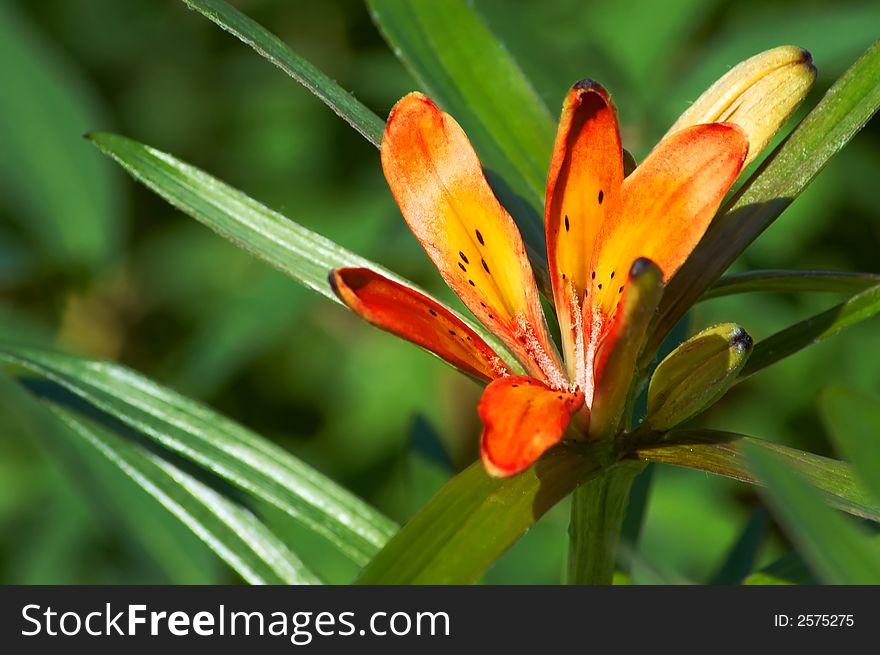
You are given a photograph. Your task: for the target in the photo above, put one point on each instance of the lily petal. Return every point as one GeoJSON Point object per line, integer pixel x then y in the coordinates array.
{"type": "Point", "coordinates": [416, 318]}
{"type": "Point", "coordinates": [586, 173]}
{"type": "Point", "coordinates": [522, 418]}
{"type": "Point", "coordinates": [438, 183]}
{"type": "Point", "coordinates": [666, 205]}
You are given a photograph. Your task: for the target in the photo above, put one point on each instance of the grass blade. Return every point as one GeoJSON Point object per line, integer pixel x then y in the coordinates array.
{"type": "Point", "coordinates": [789, 281]}
{"type": "Point", "coordinates": [229, 450]}
{"type": "Point", "coordinates": [279, 53]}
{"type": "Point", "coordinates": [835, 548]}
{"type": "Point", "coordinates": [721, 453]}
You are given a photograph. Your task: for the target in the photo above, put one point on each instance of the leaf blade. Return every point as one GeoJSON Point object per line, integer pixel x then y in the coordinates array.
{"type": "Point", "coordinates": [272, 48]}
{"type": "Point", "coordinates": [301, 254]}
{"type": "Point", "coordinates": [720, 453]}
{"type": "Point", "coordinates": [477, 516]}
{"type": "Point", "coordinates": [454, 55]}
{"type": "Point", "coordinates": [234, 453]}
{"type": "Point", "coordinates": [838, 552]}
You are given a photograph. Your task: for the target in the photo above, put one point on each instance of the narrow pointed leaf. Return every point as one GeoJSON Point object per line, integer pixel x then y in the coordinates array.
{"type": "Point", "coordinates": [279, 53]}
{"type": "Point", "coordinates": [812, 330]}
{"type": "Point", "coordinates": [791, 281]}
{"type": "Point", "coordinates": [305, 256]}
{"type": "Point", "coordinates": [721, 453]}
{"type": "Point", "coordinates": [845, 109]}
{"type": "Point", "coordinates": [837, 550]}
{"type": "Point", "coordinates": [236, 454]}
{"type": "Point", "coordinates": [461, 65]}
{"type": "Point", "coordinates": [474, 519]}
{"type": "Point", "coordinates": [226, 527]}
{"type": "Point", "coordinates": [230, 530]}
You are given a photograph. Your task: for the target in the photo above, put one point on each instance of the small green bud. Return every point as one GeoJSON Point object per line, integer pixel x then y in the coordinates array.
{"type": "Point", "coordinates": [696, 374]}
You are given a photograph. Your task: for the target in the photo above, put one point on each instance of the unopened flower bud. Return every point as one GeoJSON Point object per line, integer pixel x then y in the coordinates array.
{"type": "Point", "coordinates": [696, 374]}
{"type": "Point", "coordinates": [758, 94]}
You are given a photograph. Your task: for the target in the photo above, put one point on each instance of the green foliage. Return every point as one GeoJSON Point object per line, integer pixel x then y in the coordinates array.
{"type": "Point", "coordinates": [228, 450]}
{"type": "Point", "coordinates": [460, 63]}
{"type": "Point", "coordinates": [838, 551]}
{"type": "Point", "coordinates": [181, 489]}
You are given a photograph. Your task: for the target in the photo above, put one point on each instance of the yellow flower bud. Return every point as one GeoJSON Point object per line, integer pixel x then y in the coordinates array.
{"type": "Point", "coordinates": [758, 94]}
{"type": "Point", "coordinates": [696, 374]}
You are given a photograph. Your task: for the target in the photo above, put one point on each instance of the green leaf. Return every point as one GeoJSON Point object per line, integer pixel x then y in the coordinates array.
{"type": "Point", "coordinates": [787, 570]}
{"type": "Point", "coordinates": [791, 281]}
{"type": "Point", "coordinates": [236, 454]}
{"type": "Point", "coordinates": [836, 549]}
{"type": "Point", "coordinates": [853, 419]}
{"type": "Point", "coordinates": [62, 194]}
{"type": "Point", "coordinates": [292, 249]}
{"type": "Point", "coordinates": [812, 330]}
{"type": "Point", "coordinates": [720, 453]}
{"type": "Point", "coordinates": [742, 555]}
{"type": "Point", "coordinates": [844, 110]}
{"type": "Point", "coordinates": [276, 51]}
{"type": "Point", "coordinates": [474, 519]}
{"type": "Point", "coordinates": [229, 529]}
{"type": "Point", "coordinates": [462, 66]}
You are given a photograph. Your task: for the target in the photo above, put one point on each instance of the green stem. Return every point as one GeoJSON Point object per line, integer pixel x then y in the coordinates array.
{"type": "Point", "coordinates": [598, 508]}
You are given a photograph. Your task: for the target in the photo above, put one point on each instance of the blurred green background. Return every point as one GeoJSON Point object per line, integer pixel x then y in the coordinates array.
{"type": "Point", "coordinates": [93, 264]}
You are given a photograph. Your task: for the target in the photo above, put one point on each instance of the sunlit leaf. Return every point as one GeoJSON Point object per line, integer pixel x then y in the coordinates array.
{"type": "Point", "coordinates": [305, 256]}
{"type": "Point", "coordinates": [226, 527]}
{"type": "Point", "coordinates": [721, 453]}
{"type": "Point", "coordinates": [474, 519]}
{"type": "Point", "coordinates": [279, 53]}
{"type": "Point", "coordinates": [231, 451]}
{"type": "Point", "coordinates": [836, 549]}
{"type": "Point", "coordinates": [229, 529]}
{"type": "Point", "coordinates": [462, 66]}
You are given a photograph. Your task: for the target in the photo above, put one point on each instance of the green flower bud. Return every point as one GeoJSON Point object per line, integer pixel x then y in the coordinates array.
{"type": "Point", "coordinates": [696, 374]}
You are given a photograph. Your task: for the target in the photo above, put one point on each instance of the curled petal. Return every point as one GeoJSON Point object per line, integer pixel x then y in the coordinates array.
{"type": "Point", "coordinates": [522, 417]}
{"type": "Point", "coordinates": [416, 318]}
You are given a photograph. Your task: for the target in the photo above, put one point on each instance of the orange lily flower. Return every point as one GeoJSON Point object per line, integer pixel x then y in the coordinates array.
{"type": "Point", "coordinates": [611, 243]}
